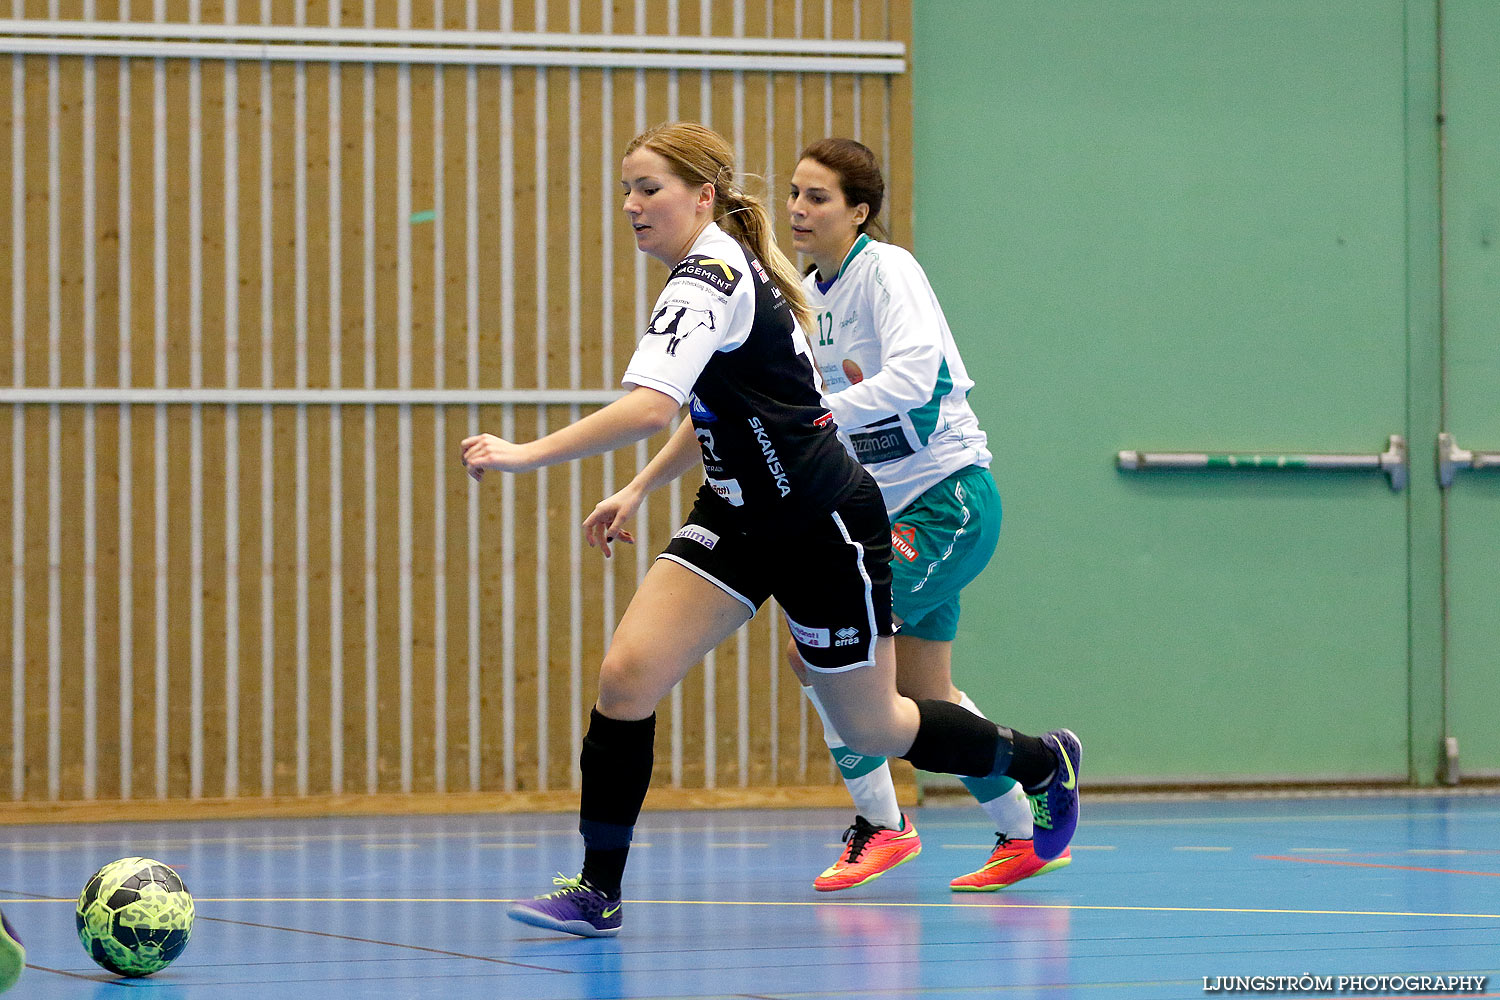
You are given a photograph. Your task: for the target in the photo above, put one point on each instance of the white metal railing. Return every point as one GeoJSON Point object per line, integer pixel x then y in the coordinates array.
{"type": "Point", "coordinates": [285, 43]}
{"type": "Point", "coordinates": [337, 34]}
{"type": "Point", "coordinates": [145, 396]}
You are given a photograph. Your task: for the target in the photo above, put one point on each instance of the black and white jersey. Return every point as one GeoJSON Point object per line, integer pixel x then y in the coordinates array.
{"type": "Point", "coordinates": [722, 339]}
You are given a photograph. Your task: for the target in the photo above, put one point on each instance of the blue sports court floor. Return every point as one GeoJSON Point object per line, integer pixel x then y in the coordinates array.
{"type": "Point", "coordinates": [1160, 895]}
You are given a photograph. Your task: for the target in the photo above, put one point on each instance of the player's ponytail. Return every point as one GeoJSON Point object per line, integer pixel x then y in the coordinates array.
{"type": "Point", "coordinates": [699, 155]}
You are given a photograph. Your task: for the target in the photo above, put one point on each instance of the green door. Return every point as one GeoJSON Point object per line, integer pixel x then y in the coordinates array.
{"type": "Point", "coordinates": [1471, 363]}
{"type": "Point", "coordinates": [1177, 226]}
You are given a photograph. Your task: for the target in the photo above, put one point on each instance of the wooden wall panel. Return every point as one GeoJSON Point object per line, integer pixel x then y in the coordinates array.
{"type": "Point", "coordinates": [247, 635]}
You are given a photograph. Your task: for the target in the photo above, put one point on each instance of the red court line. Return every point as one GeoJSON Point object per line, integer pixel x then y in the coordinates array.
{"type": "Point", "coordinates": [1366, 864]}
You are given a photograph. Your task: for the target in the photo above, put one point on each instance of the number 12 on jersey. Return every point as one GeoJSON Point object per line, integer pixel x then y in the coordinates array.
{"type": "Point", "coordinates": [825, 329]}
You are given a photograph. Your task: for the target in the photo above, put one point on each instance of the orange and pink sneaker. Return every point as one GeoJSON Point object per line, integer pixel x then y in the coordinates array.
{"type": "Point", "coordinates": [872, 851]}
{"type": "Point", "coordinates": [1009, 863]}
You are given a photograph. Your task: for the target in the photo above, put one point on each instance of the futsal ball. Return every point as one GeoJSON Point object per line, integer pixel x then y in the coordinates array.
{"type": "Point", "coordinates": [134, 916]}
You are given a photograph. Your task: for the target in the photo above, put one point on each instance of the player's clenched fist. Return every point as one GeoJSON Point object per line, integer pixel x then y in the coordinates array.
{"type": "Point", "coordinates": [485, 451]}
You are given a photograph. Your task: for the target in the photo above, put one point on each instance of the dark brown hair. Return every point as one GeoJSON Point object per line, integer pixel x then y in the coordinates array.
{"type": "Point", "coordinates": [858, 171]}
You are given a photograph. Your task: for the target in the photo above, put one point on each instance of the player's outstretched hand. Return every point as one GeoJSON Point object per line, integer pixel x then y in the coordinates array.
{"type": "Point", "coordinates": [485, 451]}
{"type": "Point", "coordinates": [606, 524]}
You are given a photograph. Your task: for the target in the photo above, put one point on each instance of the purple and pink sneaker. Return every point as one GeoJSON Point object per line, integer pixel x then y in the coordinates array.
{"type": "Point", "coordinates": [1054, 809]}
{"type": "Point", "coordinates": [576, 908]}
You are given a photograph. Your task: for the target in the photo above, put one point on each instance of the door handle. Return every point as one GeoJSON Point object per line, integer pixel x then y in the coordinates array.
{"type": "Point", "coordinates": [1392, 461]}
{"type": "Point", "coordinates": [1451, 458]}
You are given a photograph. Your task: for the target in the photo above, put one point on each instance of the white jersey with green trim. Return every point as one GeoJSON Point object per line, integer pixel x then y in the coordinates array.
{"type": "Point", "coordinates": [892, 373]}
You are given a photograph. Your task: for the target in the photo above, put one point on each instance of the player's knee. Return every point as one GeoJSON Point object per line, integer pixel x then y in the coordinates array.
{"type": "Point", "coordinates": [624, 691]}
{"type": "Point", "coordinates": [867, 733]}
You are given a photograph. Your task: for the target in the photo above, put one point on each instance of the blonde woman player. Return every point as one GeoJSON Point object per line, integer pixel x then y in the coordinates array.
{"type": "Point", "coordinates": [784, 512]}
{"type": "Point", "coordinates": [898, 389]}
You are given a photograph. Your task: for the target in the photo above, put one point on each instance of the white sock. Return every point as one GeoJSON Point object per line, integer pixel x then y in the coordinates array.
{"type": "Point", "coordinates": [870, 784]}
{"type": "Point", "coordinates": [1010, 810]}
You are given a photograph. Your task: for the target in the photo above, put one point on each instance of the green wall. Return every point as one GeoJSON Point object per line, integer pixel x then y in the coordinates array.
{"type": "Point", "coordinates": [1168, 225]}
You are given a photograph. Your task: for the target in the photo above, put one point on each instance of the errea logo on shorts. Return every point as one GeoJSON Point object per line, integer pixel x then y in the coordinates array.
{"type": "Point", "coordinates": [846, 636]}
{"type": "Point", "coordinates": [814, 638]}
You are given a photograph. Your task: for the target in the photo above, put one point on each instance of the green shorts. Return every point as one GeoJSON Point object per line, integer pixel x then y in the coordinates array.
{"type": "Point", "coordinates": [939, 542]}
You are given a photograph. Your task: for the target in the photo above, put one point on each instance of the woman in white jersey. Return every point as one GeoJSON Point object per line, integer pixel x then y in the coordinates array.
{"type": "Point", "coordinates": [898, 390]}
{"type": "Point", "coordinates": [723, 340]}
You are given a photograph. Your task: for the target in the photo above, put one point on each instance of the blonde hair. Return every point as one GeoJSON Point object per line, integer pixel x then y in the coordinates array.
{"type": "Point", "coordinates": [699, 155]}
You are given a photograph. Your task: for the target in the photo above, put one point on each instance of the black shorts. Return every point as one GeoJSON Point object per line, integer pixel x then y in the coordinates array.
{"type": "Point", "coordinates": [830, 572]}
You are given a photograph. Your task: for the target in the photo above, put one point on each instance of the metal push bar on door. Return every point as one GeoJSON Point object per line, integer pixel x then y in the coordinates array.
{"type": "Point", "coordinates": [1392, 461]}
{"type": "Point", "coordinates": [1451, 458]}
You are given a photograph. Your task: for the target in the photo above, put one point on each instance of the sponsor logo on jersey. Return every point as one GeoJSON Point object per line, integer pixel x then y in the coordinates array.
{"type": "Point", "coordinates": [847, 320]}
{"type": "Point", "coordinates": [773, 463]}
{"type": "Point", "coordinates": [728, 490]}
{"type": "Point", "coordinates": [852, 372]}
{"type": "Point", "coordinates": [814, 638]}
{"type": "Point", "coordinates": [904, 541]}
{"type": "Point", "coordinates": [713, 272]}
{"type": "Point", "coordinates": [880, 446]}
{"type": "Point", "coordinates": [695, 533]}
{"type": "Point", "coordinates": [765, 279]}
{"type": "Point", "coordinates": [824, 420]}
{"type": "Point", "coordinates": [675, 322]}
{"type": "Point", "coordinates": [711, 459]}
{"type": "Point", "coordinates": [700, 413]}
{"type": "Point", "coordinates": [846, 636]}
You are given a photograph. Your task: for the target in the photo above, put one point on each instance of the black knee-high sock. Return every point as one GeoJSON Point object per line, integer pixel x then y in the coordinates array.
{"type": "Point", "coordinates": [952, 740]}
{"type": "Point", "coordinates": [616, 771]}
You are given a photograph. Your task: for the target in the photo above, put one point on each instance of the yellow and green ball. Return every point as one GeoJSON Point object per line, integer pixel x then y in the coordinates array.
{"type": "Point", "coordinates": [134, 916]}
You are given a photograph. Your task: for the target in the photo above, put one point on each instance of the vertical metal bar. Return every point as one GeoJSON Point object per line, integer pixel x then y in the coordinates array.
{"type": "Point", "coordinates": [508, 417]}
{"type": "Point", "coordinates": [855, 103]}
{"type": "Point", "coordinates": [705, 78]}
{"type": "Point", "coordinates": [607, 306]}
{"type": "Point", "coordinates": [335, 423]}
{"type": "Point", "coordinates": [575, 381]}
{"type": "Point", "coordinates": [440, 453]}
{"type": "Point", "coordinates": [742, 635]}
{"type": "Point", "coordinates": [828, 77]}
{"type": "Point", "coordinates": [642, 317]}
{"type": "Point", "coordinates": [471, 365]}
{"type": "Point", "coordinates": [126, 510]}
{"type": "Point", "coordinates": [403, 379]}
{"type": "Point", "coordinates": [540, 323]}
{"type": "Point", "coordinates": [267, 434]}
{"type": "Point", "coordinates": [773, 679]}
{"type": "Point", "coordinates": [231, 458]}
{"type": "Point", "coordinates": [195, 448]}
{"type": "Point", "coordinates": [674, 516]}
{"type": "Point", "coordinates": [54, 431]}
{"type": "Point", "coordinates": [674, 493]}
{"type": "Point", "coordinates": [372, 647]}
{"type": "Point", "coordinates": [161, 498]}
{"type": "Point", "coordinates": [711, 660]}
{"type": "Point", "coordinates": [18, 421]}
{"type": "Point", "coordinates": [300, 487]}
{"type": "Point", "coordinates": [90, 436]}
{"type": "Point", "coordinates": [800, 143]}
